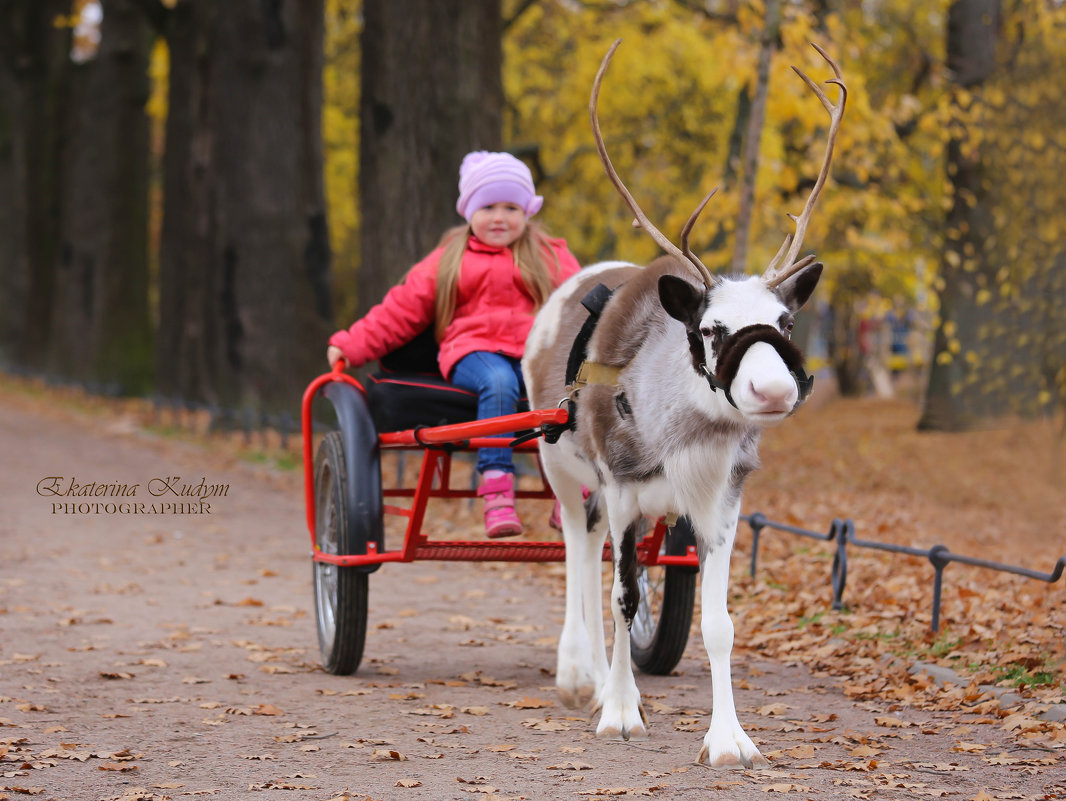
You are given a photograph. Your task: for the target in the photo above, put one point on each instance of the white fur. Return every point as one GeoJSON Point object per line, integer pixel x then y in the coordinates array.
{"type": "Point", "coordinates": [671, 404]}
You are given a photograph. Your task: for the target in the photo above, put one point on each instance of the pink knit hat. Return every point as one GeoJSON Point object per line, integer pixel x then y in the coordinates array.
{"type": "Point", "coordinates": [486, 178]}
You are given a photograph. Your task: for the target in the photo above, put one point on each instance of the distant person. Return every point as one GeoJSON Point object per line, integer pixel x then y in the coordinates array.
{"type": "Point", "coordinates": [480, 288]}
{"type": "Point", "coordinates": [872, 347]}
{"type": "Point", "coordinates": [900, 322]}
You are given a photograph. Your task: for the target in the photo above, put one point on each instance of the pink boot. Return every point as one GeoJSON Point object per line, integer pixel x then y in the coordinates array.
{"type": "Point", "coordinates": [555, 519]}
{"type": "Point", "coordinates": [501, 520]}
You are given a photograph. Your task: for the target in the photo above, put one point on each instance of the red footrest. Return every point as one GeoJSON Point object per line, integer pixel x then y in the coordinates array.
{"type": "Point", "coordinates": [479, 551]}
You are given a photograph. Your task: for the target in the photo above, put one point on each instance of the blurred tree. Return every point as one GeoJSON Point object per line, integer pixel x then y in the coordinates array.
{"type": "Point", "coordinates": [245, 259]}
{"type": "Point", "coordinates": [35, 44]}
{"type": "Point", "coordinates": [1000, 342]}
{"type": "Point", "coordinates": [101, 327]}
{"type": "Point", "coordinates": [755, 114]}
{"type": "Point", "coordinates": [431, 92]}
{"type": "Point", "coordinates": [340, 141]}
{"type": "Point", "coordinates": [972, 32]}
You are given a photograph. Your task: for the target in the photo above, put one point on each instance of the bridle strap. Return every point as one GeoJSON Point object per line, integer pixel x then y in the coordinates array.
{"type": "Point", "coordinates": [737, 345]}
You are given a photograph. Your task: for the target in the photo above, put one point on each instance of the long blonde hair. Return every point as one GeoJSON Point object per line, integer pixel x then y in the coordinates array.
{"type": "Point", "coordinates": [531, 251]}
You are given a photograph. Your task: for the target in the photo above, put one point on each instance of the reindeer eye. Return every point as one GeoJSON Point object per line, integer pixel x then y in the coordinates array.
{"type": "Point", "coordinates": [706, 331]}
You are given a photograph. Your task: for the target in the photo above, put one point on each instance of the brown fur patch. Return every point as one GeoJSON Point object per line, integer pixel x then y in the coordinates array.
{"type": "Point", "coordinates": [547, 371]}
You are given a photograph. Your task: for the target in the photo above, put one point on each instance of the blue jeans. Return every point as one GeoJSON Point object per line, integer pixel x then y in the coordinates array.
{"type": "Point", "coordinates": [498, 382]}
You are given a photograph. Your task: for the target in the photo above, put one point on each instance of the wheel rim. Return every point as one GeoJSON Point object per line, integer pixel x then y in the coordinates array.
{"type": "Point", "coordinates": [651, 585]}
{"type": "Point", "coordinates": [325, 573]}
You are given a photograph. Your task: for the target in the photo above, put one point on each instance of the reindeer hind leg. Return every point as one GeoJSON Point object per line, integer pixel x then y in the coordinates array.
{"type": "Point", "coordinates": [592, 588]}
{"type": "Point", "coordinates": [580, 670]}
{"type": "Point", "coordinates": [621, 712]}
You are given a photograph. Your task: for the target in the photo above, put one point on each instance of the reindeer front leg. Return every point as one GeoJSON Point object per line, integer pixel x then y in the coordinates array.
{"type": "Point", "coordinates": [622, 714]}
{"type": "Point", "coordinates": [725, 745]}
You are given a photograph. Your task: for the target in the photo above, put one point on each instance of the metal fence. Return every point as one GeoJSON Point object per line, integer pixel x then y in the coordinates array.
{"type": "Point", "coordinates": [842, 532]}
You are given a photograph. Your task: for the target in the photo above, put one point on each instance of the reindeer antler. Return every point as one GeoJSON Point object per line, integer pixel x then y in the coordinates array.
{"type": "Point", "coordinates": [641, 220]}
{"type": "Point", "coordinates": [773, 276]}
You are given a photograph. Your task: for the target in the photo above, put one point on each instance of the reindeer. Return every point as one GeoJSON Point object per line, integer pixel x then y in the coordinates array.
{"type": "Point", "coordinates": [682, 372]}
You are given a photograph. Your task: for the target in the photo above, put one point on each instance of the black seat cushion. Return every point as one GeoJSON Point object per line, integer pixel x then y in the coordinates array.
{"type": "Point", "coordinates": [409, 391]}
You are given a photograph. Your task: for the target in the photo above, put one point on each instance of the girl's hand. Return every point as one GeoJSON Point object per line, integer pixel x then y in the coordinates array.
{"type": "Point", "coordinates": [333, 353]}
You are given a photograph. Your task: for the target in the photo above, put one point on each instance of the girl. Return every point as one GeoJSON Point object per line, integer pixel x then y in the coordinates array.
{"type": "Point", "coordinates": [480, 287]}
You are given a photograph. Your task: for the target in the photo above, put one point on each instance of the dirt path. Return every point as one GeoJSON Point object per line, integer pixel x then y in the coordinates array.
{"type": "Point", "coordinates": [150, 656]}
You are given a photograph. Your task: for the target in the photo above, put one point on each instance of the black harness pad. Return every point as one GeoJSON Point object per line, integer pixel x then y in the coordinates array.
{"type": "Point", "coordinates": [594, 302]}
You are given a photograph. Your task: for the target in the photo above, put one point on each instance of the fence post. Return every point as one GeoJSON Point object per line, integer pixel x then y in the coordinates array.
{"type": "Point", "coordinates": [756, 520]}
{"type": "Point", "coordinates": [841, 531]}
{"type": "Point", "coordinates": [939, 556]}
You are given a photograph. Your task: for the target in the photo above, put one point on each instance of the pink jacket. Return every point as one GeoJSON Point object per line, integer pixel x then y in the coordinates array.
{"type": "Point", "coordinates": [493, 310]}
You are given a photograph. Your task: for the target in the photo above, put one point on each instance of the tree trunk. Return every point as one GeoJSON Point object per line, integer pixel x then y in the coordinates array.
{"type": "Point", "coordinates": [771, 30]}
{"type": "Point", "coordinates": [244, 267]}
{"type": "Point", "coordinates": [953, 401]}
{"type": "Point", "coordinates": [14, 278]}
{"type": "Point", "coordinates": [102, 330]}
{"type": "Point", "coordinates": [36, 60]}
{"type": "Point", "coordinates": [431, 92]}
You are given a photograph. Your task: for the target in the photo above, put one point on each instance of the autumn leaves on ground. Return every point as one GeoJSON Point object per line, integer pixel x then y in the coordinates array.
{"type": "Point", "coordinates": [167, 657]}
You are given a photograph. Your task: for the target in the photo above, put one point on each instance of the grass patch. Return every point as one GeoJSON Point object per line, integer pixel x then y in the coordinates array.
{"type": "Point", "coordinates": [1021, 676]}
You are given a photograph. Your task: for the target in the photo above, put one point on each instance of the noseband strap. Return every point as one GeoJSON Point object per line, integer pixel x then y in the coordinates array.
{"type": "Point", "coordinates": [735, 348]}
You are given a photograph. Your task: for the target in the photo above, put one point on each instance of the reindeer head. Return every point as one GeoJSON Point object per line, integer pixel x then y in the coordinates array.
{"type": "Point", "coordinates": [738, 329]}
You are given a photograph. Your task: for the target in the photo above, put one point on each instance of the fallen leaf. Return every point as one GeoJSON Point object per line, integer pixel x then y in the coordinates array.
{"type": "Point", "coordinates": [619, 791]}
{"type": "Point", "coordinates": [408, 783]}
{"type": "Point", "coordinates": [772, 709]}
{"type": "Point", "coordinates": [891, 722]}
{"type": "Point", "coordinates": [546, 725]}
{"type": "Point", "coordinates": [865, 751]}
{"type": "Point", "coordinates": [527, 702]}
{"type": "Point", "coordinates": [571, 766]}
{"type": "Point", "coordinates": [969, 748]}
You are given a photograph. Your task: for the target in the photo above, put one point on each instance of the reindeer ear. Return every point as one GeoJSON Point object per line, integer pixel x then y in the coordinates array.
{"type": "Point", "coordinates": [681, 300]}
{"type": "Point", "coordinates": [796, 290]}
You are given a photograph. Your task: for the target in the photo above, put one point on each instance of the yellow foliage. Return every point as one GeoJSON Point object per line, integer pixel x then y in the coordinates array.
{"type": "Point", "coordinates": [340, 138]}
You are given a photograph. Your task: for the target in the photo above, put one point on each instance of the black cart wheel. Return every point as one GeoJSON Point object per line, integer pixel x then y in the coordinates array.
{"type": "Point", "coordinates": [660, 629]}
{"type": "Point", "coordinates": [340, 592]}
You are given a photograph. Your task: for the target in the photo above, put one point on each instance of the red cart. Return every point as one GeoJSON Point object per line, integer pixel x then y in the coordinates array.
{"type": "Point", "coordinates": [347, 505]}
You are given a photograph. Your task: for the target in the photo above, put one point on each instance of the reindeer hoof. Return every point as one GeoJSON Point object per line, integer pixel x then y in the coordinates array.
{"type": "Point", "coordinates": [635, 733]}
{"type": "Point", "coordinates": [608, 733]}
{"type": "Point", "coordinates": [627, 733]}
{"type": "Point", "coordinates": [578, 697]}
{"type": "Point", "coordinates": [730, 760]}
